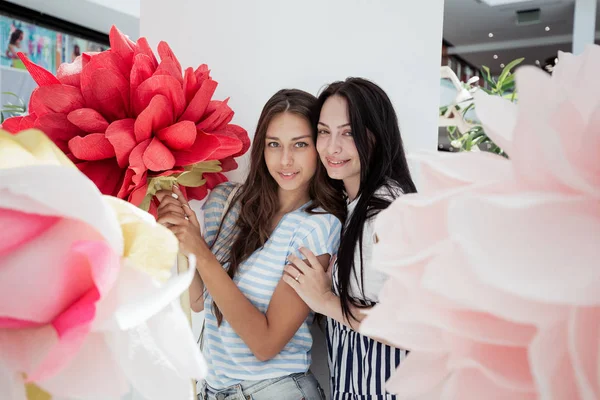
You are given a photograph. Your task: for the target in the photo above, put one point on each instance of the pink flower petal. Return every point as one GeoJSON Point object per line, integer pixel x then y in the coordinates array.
{"type": "Point", "coordinates": [24, 228]}
{"type": "Point", "coordinates": [179, 136]}
{"type": "Point", "coordinates": [156, 116]}
{"type": "Point", "coordinates": [121, 136]}
{"type": "Point", "coordinates": [158, 157]}
{"type": "Point", "coordinates": [55, 99]}
{"type": "Point", "coordinates": [92, 147]}
{"type": "Point", "coordinates": [88, 120]}
{"type": "Point", "coordinates": [584, 348]}
{"type": "Point", "coordinates": [411, 379]}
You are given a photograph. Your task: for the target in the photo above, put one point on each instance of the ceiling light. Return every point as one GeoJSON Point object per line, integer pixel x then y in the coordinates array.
{"type": "Point", "coordinates": [547, 29]}
{"type": "Point", "coordinates": [501, 65]}
{"type": "Point", "coordinates": [494, 3]}
{"type": "Point", "coordinates": [537, 62]}
{"type": "Point", "coordinates": [490, 34]}
{"type": "Point", "coordinates": [495, 56]}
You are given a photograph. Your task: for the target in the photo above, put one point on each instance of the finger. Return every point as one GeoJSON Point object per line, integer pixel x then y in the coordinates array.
{"type": "Point", "coordinates": [171, 208]}
{"type": "Point", "coordinates": [291, 282]}
{"type": "Point", "coordinates": [168, 201]}
{"type": "Point", "coordinates": [299, 264]}
{"type": "Point", "coordinates": [292, 271]}
{"type": "Point", "coordinates": [172, 218]}
{"type": "Point", "coordinates": [162, 194]}
{"type": "Point", "coordinates": [185, 205]}
{"type": "Point", "coordinates": [312, 259]}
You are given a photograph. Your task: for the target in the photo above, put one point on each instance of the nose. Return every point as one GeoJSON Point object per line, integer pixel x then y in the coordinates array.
{"type": "Point", "coordinates": [287, 158]}
{"type": "Point", "coordinates": [333, 145]}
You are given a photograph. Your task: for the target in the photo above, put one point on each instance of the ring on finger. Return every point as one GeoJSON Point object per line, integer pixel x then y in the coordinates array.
{"type": "Point", "coordinates": [297, 278]}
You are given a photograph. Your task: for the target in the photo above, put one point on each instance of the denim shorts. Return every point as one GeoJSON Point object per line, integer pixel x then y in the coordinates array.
{"type": "Point", "coordinates": [300, 386]}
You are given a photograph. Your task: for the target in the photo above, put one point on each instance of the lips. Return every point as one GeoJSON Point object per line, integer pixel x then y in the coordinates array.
{"type": "Point", "coordinates": [336, 163]}
{"type": "Point", "coordinates": [288, 175]}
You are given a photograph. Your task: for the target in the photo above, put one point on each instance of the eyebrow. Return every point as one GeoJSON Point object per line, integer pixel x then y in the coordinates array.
{"type": "Point", "coordinates": [339, 127]}
{"type": "Point", "coordinates": [293, 139]}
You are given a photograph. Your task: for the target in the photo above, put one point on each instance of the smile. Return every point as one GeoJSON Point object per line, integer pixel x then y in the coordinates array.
{"type": "Point", "coordinates": [288, 175]}
{"type": "Point", "coordinates": [336, 163]}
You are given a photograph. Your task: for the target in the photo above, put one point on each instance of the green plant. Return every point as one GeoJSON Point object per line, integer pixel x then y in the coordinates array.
{"type": "Point", "coordinates": [474, 137]}
{"type": "Point", "coordinates": [12, 110]}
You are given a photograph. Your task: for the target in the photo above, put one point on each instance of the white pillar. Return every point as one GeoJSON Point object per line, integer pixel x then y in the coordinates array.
{"type": "Point", "coordinates": [584, 24]}
{"type": "Point", "coordinates": [255, 48]}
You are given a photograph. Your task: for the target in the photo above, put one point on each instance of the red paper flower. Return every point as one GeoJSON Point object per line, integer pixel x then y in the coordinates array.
{"type": "Point", "coordinates": [123, 117]}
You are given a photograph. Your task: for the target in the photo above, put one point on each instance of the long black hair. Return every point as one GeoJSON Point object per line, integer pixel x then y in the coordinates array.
{"type": "Point", "coordinates": [383, 169]}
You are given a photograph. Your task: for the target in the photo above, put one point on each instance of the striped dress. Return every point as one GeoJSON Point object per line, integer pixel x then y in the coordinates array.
{"type": "Point", "coordinates": [229, 359]}
{"type": "Point", "coordinates": [360, 366]}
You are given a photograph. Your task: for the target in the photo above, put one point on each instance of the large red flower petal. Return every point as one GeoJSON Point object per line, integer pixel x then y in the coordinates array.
{"type": "Point", "coordinates": [110, 93]}
{"type": "Point", "coordinates": [123, 49]}
{"type": "Point", "coordinates": [165, 53]}
{"type": "Point", "coordinates": [136, 160]}
{"type": "Point", "coordinates": [203, 149]}
{"type": "Point", "coordinates": [197, 107]}
{"type": "Point", "coordinates": [88, 120]}
{"type": "Point", "coordinates": [190, 84]}
{"type": "Point", "coordinates": [55, 99]}
{"type": "Point", "coordinates": [143, 68]}
{"type": "Point", "coordinates": [241, 134]}
{"type": "Point", "coordinates": [121, 136]}
{"type": "Point", "coordinates": [179, 136]}
{"type": "Point", "coordinates": [196, 193]}
{"type": "Point", "coordinates": [159, 84]}
{"type": "Point", "coordinates": [229, 145]}
{"type": "Point", "coordinates": [202, 73]}
{"type": "Point", "coordinates": [156, 116]}
{"type": "Point", "coordinates": [70, 73]}
{"type": "Point", "coordinates": [92, 147]}
{"type": "Point", "coordinates": [228, 164]}
{"type": "Point", "coordinates": [58, 128]}
{"type": "Point", "coordinates": [138, 193]}
{"type": "Point", "coordinates": [127, 186]}
{"type": "Point", "coordinates": [169, 67]}
{"type": "Point", "coordinates": [106, 174]}
{"type": "Point", "coordinates": [219, 115]}
{"type": "Point", "coordinates": [158, 157]}
{"type": "Point", "coordinates": [39, 74]}
{"type": "Point", "coordinates": [12, 124]}
{"type": "Point", "coordinates": [144, 48]}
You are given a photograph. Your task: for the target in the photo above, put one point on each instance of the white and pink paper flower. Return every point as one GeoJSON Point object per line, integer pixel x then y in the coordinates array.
{"type": "Point", "coordinates": [88, 309]}
{"type": "Point", "coordinates": [495, 265]}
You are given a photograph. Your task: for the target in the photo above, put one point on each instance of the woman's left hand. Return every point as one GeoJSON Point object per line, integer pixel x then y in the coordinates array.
{"type": "Point", "coordinates": [312, 281]}
{"type": "Point", "coordinates": [175, 213]}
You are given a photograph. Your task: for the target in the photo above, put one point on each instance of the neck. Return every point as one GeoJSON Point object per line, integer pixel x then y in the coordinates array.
{"type": "Point", "coordinates": [292, 200]}
{"type": "Point", "coordinates": [352, 184]}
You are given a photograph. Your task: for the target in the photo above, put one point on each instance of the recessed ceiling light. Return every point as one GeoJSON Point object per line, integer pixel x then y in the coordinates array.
{"type": "Point", "coordinates": [490, 34]}
{"type": "Point", "coordinates": [537, 62]}
{"type": "Point", "coordinates": [495, 56]}
{"type": "Point", "coordinates": [547, 29]}
{"type": "Point", "coordinates": [501, 65]}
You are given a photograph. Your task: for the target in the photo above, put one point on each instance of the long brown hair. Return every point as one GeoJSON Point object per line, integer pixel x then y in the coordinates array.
{"type": "Point", "coordinates": [259, 194]}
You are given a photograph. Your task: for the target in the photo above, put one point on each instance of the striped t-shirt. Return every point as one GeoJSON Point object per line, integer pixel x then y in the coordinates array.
{"type": "Point", "coordinates": [229, 359]}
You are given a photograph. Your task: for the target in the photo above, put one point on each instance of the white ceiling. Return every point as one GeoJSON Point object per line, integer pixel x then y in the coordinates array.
{"type": "Point", "coordinates": [468, 22]}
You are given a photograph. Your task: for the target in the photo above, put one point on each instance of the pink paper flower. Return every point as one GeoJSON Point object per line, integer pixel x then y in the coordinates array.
{"type": "Point", "coordinates": [494, 266]}
{"type": "Point", "coordinates": [85, 299]}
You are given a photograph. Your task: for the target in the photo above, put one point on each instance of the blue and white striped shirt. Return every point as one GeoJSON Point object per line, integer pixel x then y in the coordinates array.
{"type": "Point", "coordinates": [229, 359]}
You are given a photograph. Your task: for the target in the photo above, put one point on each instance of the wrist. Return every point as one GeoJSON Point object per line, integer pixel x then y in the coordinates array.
{"type": "Point", "coordinates": [330, 300]}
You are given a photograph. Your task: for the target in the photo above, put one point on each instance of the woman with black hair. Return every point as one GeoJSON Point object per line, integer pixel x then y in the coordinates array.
{"type": "Point", "coordinates": [360, 145]}
{"type": "Point", "coordinates": [14, 44]}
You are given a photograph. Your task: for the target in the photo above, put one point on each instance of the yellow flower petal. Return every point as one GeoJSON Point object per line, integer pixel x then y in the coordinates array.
{"type": "Point", "coordinates": [30, 147]}
{"type": "Point", "coordinates": [34, 392]}
{"type": "Point", "coordinates": [148, 246]}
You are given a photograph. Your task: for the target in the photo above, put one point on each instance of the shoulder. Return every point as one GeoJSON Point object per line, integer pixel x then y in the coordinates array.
{"type": "Point", "coordinates": [321, 220]}
{"type": "Point", "coordinates": [218, 196]}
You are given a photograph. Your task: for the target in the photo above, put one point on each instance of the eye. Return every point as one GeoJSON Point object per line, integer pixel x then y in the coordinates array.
{"type": "Point", "coordinates": [301, 144]}
{"type": "Point", "coordinates": [349, 133]}
{"type": "Point", "coordinates": [272, 144]}
{"type": "Point", "coordinates": [322, 132]}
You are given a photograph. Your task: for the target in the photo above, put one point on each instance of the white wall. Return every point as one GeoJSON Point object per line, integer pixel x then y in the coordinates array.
{"type": "Point", "coordinates": [98, 15]}
{"type": "Point", "coordinates": [255, 48]}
